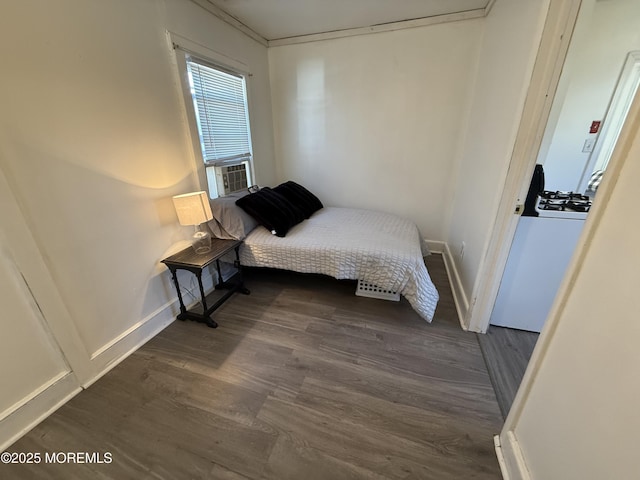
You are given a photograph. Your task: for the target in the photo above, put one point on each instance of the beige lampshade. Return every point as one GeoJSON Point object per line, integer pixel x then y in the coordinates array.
{"type": "Point", "coordinates": [193, 208]}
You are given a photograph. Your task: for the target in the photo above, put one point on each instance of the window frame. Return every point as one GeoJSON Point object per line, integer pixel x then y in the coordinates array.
{"type": "Point", "coordinates": [185, 49]}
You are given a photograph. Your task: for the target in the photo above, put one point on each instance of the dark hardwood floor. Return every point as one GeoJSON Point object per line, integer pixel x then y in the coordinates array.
{"type": "Point", "coordinates": [506, 353]}
{"type": "Point", "coordinates": [302, 380]}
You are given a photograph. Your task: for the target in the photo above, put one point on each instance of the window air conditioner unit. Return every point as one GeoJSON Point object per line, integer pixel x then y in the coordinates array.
{"type": "Point", "coordinates": [232, 178]}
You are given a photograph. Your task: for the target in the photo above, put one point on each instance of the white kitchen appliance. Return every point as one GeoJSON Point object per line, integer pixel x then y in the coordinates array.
{"type": "Point", "coordinates": [540, 253]}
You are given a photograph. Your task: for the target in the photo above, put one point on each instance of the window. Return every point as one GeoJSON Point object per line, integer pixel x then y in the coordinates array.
{"type": "Point", "coordinates": [221, 113]}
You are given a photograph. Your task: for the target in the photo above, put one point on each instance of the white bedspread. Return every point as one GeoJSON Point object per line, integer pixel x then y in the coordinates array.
{"type": "Point", "coordinates": [346, 243]}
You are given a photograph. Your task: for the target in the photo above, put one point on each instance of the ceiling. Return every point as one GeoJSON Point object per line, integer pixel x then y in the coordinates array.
{"type": "Point", "coordinates": [279, 19]}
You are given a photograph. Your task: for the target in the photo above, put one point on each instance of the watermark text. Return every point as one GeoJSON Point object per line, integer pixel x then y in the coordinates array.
{"type": "Point", "coordinates": [56, 457]}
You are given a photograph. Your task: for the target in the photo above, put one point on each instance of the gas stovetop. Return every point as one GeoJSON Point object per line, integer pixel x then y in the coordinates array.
{"type": "Point", "coordinates": [564, 201]}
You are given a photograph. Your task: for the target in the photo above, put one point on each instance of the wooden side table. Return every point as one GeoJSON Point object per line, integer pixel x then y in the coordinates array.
{"type": "Point", "coordinates": [188, 259]}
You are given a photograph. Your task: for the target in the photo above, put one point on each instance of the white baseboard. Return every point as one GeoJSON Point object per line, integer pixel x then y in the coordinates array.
{"type": "Point", "coordinates": [510, 457]}
{"type": "Point", "coordinates": [459, 297]}
{"type": "Point", "coordinates": [37, 408]}
{"type": "Point", "coordinates": [119, 348]}
{"type": "Point", "coordinates": [136, 336]}
{"type": "Point", "coordinates": [32, 412]}
{"type": "Point", "coordinates": [435, 246]}
{"type": "Point", "coordinates": [40, 405]}
{"type": "Point", "coordinates": [501, 462]}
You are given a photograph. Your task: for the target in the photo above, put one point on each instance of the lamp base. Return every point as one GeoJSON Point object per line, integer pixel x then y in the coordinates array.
{"type": "Point", "coordinates": [201, 241]}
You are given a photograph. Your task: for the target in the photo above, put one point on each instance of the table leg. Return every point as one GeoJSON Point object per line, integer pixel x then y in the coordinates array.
{"type": "Point", "coordinates": [220, 279]}
{"type": "Point", "coordinates": [206, 318]}
{"type": "Point", "coordinates": [242, 289]}
{"type": "Point", "coordinates": [183, 309]}
{"type": "Point", "coordinates": [204, 300]}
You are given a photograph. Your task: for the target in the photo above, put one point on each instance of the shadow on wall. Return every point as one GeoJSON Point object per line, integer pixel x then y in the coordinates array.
{"type": "Point", "coordinates": [101, 236]}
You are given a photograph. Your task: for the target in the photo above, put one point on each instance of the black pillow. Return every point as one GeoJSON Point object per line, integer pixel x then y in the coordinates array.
{"type": "Point", "coordinates": [271, 210]}
{"type": "Point", "coordinates": [299, 197]}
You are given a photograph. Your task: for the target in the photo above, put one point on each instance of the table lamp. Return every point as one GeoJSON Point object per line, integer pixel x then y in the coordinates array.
{"type": "Point", "coordinates": [194, 209]}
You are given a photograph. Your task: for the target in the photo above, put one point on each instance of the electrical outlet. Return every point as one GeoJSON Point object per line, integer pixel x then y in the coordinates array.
{"type": "Point", "coordinates": [461, 252]}
{"type": "Point", "coordinates": [588, 145]}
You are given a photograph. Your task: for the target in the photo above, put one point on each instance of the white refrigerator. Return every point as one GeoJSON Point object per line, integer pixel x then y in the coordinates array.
{"type": "Point", "coordinates": [538, 259]}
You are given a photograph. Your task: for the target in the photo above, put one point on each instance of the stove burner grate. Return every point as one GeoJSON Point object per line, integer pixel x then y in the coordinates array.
{"type": "Point", "coordinates": [564, 201]}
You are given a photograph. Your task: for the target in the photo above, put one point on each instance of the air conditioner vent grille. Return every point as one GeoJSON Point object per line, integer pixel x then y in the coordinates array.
{"type": "Point", "coordinates": [234, 178]}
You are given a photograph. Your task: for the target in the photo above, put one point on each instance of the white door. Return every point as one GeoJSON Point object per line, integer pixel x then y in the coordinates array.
{"type": "Point", "coordinates": [35, 376]}
{"type": "Point", "coordinates": [30, 359]}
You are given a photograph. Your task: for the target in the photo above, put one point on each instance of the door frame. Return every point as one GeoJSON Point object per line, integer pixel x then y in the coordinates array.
{"type": "Point", "coordinates": [554, 45]}
{"type": "Point", "coordinates": [614, 119]}
{"type": "Point", "coordinates": [508, 449]}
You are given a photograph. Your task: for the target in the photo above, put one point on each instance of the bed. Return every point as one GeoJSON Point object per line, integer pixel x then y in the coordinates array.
{"type": "Point", "coordinates": [345, 243]}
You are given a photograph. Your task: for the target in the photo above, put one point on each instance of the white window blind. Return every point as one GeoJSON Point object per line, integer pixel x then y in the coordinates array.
{"type": "Point", "coordinates": [220, 104]}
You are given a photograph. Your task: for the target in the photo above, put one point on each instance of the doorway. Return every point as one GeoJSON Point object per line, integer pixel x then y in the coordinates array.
{"type": "Point", "coordinates": [586, 112]}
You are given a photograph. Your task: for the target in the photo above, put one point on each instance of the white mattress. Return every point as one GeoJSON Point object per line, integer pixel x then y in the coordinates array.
{"type": "Point", "coordinates": [345, 243]}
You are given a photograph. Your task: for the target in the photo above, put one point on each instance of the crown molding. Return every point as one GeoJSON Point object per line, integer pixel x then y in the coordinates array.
{"type": "Point", "coordinates": [231, 20]}
{"type": "Point", "coordinates": [384, 27]}
{"type": "Point", "coordinates": [349, 32]}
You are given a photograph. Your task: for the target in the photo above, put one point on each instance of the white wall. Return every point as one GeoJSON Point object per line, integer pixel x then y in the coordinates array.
{"type": "Point", "coordinates": [36, 329]}
{"type": "Point", "coordinates": [576, 416]}
{"type": "Point", "coordinates": [28, 345]}
{"type": "Point", "coordinates": [595, 63]}
{"type": "Point", "coordinates": [373, 121]}
{"type": "Point", "coordinates": [94, 142]}
{"type": "Point", "coordinates": [512, 35]}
